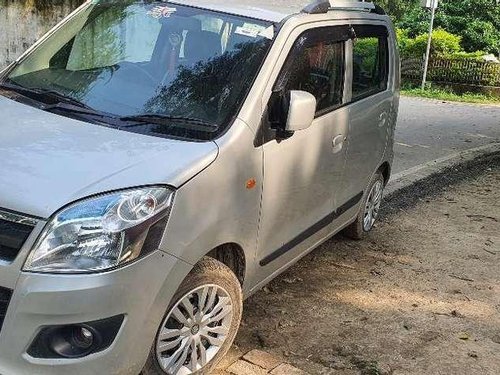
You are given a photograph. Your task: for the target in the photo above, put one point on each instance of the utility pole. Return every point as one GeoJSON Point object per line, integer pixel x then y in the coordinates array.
{"type": "Point", "coordinates": [433, 6]}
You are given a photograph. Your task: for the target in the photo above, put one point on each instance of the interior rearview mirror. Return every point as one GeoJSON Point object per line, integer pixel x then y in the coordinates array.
{"type": "Point", "coordinates": [301, 111]}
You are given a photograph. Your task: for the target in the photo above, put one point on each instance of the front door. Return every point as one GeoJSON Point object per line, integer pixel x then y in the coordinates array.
{"type": "Point", "coordinates": [302, 172]}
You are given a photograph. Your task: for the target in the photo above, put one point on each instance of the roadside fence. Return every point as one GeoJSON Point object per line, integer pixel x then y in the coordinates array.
{"type": "Point", "coordinates": [453, 71]}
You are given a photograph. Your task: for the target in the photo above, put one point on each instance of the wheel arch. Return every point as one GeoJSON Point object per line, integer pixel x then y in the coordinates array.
{"type": "Point", "coordinates": [232, 255]}
{"type": "Point", "coordinates": [385, 169]}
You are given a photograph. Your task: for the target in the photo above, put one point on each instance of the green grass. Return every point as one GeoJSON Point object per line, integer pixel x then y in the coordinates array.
{"type": "Point", "coordinates": [440, 94]}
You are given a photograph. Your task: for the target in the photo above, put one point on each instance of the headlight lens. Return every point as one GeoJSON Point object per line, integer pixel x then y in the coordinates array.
{"type": "Point", "coordinates": [100, 233]}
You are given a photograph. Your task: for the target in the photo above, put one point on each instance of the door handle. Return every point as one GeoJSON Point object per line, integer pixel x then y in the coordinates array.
{"type": "Point", "coordinates": [338, 143]}
{"type": "Point", "coordinates": [384, 116]}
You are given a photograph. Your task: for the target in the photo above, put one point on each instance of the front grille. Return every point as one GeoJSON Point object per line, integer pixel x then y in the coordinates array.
{"type": "Point", "coordinates": [14, 231]}
{"type": "Point", "coordinates": [5, 295]}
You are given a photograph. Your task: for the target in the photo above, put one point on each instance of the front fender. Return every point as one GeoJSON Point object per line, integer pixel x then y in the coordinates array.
{"type": "Point", "coordinates": [221, 204]}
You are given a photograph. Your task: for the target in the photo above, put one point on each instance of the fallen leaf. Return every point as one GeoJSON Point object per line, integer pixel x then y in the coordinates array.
{"type": "Point", "coordinates": [473, 355]}
{"type": "Point", "coordinates": [464, 336]}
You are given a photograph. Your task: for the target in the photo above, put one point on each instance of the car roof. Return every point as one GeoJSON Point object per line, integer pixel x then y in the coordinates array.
{"type": "Point", "coordinates": [268, 10]}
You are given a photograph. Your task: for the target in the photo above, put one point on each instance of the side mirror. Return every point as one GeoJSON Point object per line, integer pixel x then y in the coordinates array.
{"type": "Point", "coordinates": [301, 112]}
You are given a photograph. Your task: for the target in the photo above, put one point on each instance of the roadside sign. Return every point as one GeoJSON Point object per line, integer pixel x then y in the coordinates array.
{"type": "Point", "coordinates": [430, 4]}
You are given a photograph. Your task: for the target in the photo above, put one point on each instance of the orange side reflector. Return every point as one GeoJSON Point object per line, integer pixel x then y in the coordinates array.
{"type": "Point", "coordinates": [251, 183]}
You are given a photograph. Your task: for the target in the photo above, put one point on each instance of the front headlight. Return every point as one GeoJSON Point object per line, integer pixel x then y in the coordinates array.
{"type": "Point", "coordinates": [100, 233]}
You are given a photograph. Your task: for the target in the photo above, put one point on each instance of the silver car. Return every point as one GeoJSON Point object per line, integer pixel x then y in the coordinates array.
{"type": "Point", "coordinates": [161, 161]}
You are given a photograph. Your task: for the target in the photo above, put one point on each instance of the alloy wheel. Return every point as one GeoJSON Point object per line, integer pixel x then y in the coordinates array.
{"type": "Point", "coordinates": [194, 330]}
{"type": "Point", "coordinates": [372, 207]}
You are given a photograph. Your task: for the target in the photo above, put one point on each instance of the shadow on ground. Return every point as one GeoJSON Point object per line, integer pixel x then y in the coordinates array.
{"type": "Point", "coordinates": [420, 296]}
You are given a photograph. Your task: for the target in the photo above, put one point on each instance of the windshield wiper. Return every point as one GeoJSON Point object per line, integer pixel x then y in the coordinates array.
{"type": "Point", "coordinates": [42, 94]}
{"type": "Point", "coordinates": [64, 99]}
{"type": "Point", "coordinates": [66, 107]}
{"type": "Point", "coordinates": [167, 120]}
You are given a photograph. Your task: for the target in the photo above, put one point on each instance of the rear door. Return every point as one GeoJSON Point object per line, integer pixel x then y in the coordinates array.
{"type": "Point", "coordinates": [370, 108]}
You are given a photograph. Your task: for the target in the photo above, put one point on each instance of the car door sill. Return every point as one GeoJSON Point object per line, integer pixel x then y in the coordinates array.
{"type": "Point", "coordinates": [311, 230]}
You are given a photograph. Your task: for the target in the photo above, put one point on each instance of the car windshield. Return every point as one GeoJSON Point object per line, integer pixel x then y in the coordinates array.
{"type": "Point", "coordinates": [160, 67]}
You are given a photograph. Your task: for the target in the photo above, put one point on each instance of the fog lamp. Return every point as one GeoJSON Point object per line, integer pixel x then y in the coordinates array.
{"type": "Point", "coordinates": [74, 341]}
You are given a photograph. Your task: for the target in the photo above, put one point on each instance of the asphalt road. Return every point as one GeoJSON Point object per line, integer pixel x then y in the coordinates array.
{"type": "Point", "coordinates": [428, 130]}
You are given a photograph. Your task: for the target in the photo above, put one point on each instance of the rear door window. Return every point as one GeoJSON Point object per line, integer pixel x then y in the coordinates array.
{"type": "Point", "coordinates": [370, 61]}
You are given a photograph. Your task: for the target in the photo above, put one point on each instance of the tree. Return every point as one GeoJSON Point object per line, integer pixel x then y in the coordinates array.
{"type": "Point", "coordinates": [415, 20]}
{"type": "Point", "coordinates": [476, 21]}
{"type": "Point", "coordinates": [398, 8]}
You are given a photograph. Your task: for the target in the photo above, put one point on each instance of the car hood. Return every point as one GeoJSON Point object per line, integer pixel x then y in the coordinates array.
{"type": "Point", "coordinates": [48, 161]}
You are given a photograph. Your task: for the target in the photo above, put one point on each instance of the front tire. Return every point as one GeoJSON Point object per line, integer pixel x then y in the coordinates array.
{"type": "Point", "coordinates": [369, 211]}
{"type": "Point", "coordinates": [200, 324]}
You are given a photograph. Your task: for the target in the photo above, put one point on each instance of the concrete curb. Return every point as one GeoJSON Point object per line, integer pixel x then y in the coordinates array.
{"type": "Point", "coordinates": [451, 102]}
{"type": "Point", "coordinates": [409, 177]}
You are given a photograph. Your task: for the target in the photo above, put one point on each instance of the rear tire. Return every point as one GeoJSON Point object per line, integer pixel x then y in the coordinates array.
{"type": "Point", "coordinates": [369, 211]}
{"type": "Point", "coordinates": [210, 302]}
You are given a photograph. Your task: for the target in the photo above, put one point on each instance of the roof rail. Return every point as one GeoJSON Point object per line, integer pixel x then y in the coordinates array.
{"type": "Point", "coordinates": [323, 6]}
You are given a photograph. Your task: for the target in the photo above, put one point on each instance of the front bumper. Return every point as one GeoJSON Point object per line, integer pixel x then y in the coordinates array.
{"type": "Point", "coordinates": [140, 291]}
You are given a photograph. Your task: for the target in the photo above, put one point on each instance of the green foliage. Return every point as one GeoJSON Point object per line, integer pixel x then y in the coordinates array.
{"type": "Point", "coordinates": [366, 51]}
{"type": "Point", "coordinates": [404, 40]}
{"type": "Point", "coordinates": [415, 20]}
{"type": "Point", "coordinates": [443, 94]}
{"type": "Point", "coordinates": [462, 55]}
{"type": "Point", "coordinates": [398, 8]}
{"type": "Point", "coordinates": [476, 21]}
{"type": "Point", "coordinates": [443, 44]}
{"type": "Point", "coordinates": [481, 35]}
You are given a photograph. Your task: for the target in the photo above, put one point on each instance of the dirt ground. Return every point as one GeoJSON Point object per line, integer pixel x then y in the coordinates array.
{"type": "Point", "coordinates": [420, 296]}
